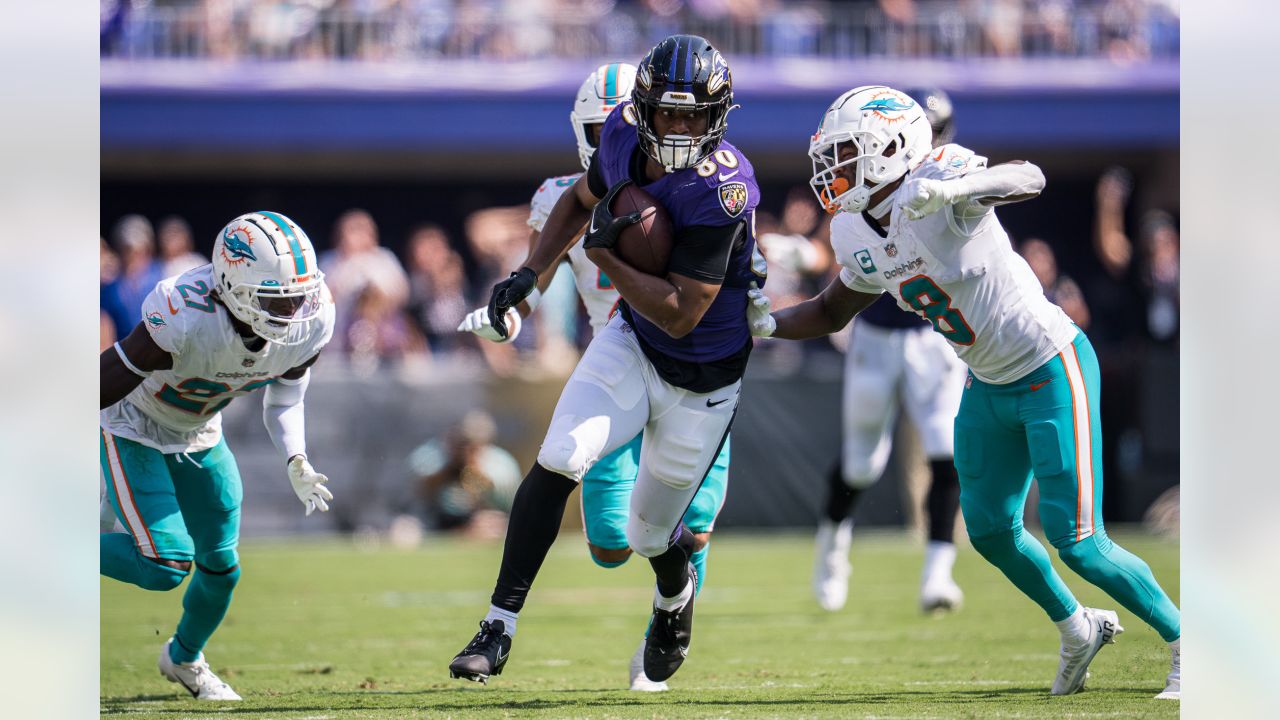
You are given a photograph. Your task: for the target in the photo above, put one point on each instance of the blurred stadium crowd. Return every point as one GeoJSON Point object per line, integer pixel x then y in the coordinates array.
{"type": "Point", "coordinates": [392, 30]}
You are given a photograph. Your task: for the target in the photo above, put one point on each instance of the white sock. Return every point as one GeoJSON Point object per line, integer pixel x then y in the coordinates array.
{"type": "Point", "coordinates": [1075, 628]}
{"type": "Point", "coordinates": [507, 617]}
{"type": "Point", "coordinates": [939, 558]}
{"type": "Point", "coordinates": [676, 602]}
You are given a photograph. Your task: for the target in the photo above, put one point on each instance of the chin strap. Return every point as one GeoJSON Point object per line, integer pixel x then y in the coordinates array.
{"type": "Point", "coordinates": [884, 206]}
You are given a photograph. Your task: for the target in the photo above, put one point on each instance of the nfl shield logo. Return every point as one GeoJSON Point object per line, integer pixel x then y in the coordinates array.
{"type": "Point", "coordinates": [247, 362]}
{"type": "Point", "coordinates": [891, 250]}
{"type": "Point", "coordinates": [733, 198]}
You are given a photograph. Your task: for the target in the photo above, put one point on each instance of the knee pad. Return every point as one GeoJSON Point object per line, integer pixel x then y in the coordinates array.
{"type": "Point", "coordinates": [608, 564]}
{"type": "Point", "coordinates": [160, 577]}
{"type": "Point", "coordinates": [573, 444]}
{"type": "Point", "coordinates": [996, 545]}
{"type": "Point", "coordinates": [220, 566]}
{"type": "Point", "coordinates": [647, 540]}
{"type": "Point", "coordinates": [1086, 555]}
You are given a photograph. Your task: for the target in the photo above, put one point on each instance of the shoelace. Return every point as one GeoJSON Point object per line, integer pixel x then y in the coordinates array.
{"type": "Point", "coordinates": [664, 626]}
{"type": "Point", "coordinates": [482, 640]}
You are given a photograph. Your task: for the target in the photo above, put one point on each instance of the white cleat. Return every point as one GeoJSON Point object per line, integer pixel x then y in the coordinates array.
{"type": "Point", "coordinates": [1173, 683]}
{"type": "Point", "coordinates": [639, 681]}
{"type": "Point", "coordinates": [941, 595]}
{"type": "Point", "coordinates": [831, 566]}
{"type": "Point", "coordinates": [1073, 668]}
{"type": "Point", "coordinates": [196, 677]}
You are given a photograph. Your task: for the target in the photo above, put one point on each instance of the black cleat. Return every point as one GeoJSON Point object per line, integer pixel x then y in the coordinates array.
{"type": "Point", "coordinates": [668, 642]}
{"type": "Point", "coordinates": [485, 655]}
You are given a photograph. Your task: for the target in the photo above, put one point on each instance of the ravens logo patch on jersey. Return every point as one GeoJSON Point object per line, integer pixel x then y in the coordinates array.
{"type": "Point", "coordinates": [733, 198]}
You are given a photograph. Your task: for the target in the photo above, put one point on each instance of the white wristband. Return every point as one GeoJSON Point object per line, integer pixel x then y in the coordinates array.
{"type": "Point", "coordinates": [533, 299]}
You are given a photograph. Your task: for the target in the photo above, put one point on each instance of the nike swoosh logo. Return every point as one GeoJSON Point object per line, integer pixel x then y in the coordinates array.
{"type": "Point", "coordinates": [502, 656]}
{"type": "Point", "coordinates": [724, 177]}
{"type": "Point", "coordinates": [172, 310]}
{"type": "Point", "coordinates": [1037, 386]}
{"type": "Point", "coordinates": [718, 402]}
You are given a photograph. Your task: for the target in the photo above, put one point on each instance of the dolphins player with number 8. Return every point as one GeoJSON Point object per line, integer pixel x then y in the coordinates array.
{"type": "Point", "coordinates": [669, 364]}
{"type": "Point", "coordinates": [919, 223]}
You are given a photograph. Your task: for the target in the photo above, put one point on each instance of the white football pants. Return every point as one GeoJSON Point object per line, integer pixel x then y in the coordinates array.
{"type": "Point", "coordinates": [883, 368]}
{"type": "Point", "coordinates": [615, 393]}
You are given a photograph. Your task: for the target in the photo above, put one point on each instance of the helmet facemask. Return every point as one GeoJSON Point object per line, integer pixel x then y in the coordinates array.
{"type": "Point", "coordinates": [873, 169]}
{"type": "Point", "coordinates": [677, 152]}
{"type": "Point", "coordinates": [281, 314]}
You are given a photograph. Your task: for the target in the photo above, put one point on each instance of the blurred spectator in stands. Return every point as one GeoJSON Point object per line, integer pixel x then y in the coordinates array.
{"type": "Point", "coordinates": [108, 263]}
{"type": "Point", "coordinates": [356, 262]}
{"type": "Point", "coordinates": [134, 240]}
{"type": "Point", "coordinates": [176, 247]}
{"type": "Point", "coordinates": [1060, 289]}
{"type": "Point", "coordinates": [499, 242]}
{"type": "Point", "coordinates": [437, 288]}
{"type": "Point", "coordinates": [1152, 275]}
{"type": "Point", "coordinates": [464, 481]}
{"type": "Point", "coordinates": [377, 332]}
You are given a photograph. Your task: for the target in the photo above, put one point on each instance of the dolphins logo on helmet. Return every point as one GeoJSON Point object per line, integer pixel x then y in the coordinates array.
{"type": "Point", "coordinates": [237, 245]}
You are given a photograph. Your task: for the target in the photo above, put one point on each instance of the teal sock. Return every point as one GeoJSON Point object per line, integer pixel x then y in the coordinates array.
{"type": "Point", "coordinates": [1125, 577]}
{"type": "Point", "coordinates": [119, 559]}
{"type": "Point", "coordinates": [203, 607]}
{"type": "Point", "coordinates": [699, 560]}
{"type": "Point", "coordinates": [1024, 561]}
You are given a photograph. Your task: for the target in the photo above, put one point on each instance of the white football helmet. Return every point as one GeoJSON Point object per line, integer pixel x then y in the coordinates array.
{"type": "Point", "coordinates": [890, 136]}
{"type": "Point", "coordinates": [600, 93]}
{"type": "Point", "coordinates": [266, 274]}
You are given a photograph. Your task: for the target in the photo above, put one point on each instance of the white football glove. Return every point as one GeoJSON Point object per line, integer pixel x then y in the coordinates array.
{"type": "Point", "coordinates": [926, 196]}
{"type": "Point", "coordinates": [477, 322]}
{"type": "Point", "coordinates": [309, 485]}
{"type": "Point", "coordinates": [759, 319]}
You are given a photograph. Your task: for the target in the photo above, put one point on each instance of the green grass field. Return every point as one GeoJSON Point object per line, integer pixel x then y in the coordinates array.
{"type": "Point", "coordinates": [325, 629]}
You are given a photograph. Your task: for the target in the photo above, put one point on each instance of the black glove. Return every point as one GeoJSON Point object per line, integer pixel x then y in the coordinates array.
{"type": "Point", "coordinates": [507, 294]}
{"type": "Point", "coordinates": [604, 228]}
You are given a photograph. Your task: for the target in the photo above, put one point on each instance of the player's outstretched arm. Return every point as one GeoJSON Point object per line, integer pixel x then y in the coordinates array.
{"type": "Point", "coordinates": [823, 314]}
{"type": "Point", "coordinates": [975, 193]}
{"type": "Point", "coordinates": [477, 322]}
{"type": "Point", "coordinates": [123, 366]}
{"type": "Point", "coordinates": [282, 414]}
{"type": "Point", "coordinates": [562, 227]}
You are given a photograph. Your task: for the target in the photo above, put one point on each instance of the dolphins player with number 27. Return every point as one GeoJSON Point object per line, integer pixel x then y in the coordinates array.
{"type": "Point", "coordinates": [607, 486]}
{"type": "Point", "coordinates": [669, 364]}
{"type": "Point", "coordinates": [257, 317]}
{"type": "Point", "coordinates": [1030, 404]}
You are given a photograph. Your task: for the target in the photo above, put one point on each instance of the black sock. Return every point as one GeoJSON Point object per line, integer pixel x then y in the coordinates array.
{"type": "Point", "coordinates": [672, 566]}
{"type": "Point", "coordinates": [840, 497]}
{"type": "Point", "coordinates": [535, 518]}
{"type": "Point", "coordinates": [943, 500]}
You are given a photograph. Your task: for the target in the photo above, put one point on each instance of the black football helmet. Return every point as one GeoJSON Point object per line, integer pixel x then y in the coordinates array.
{"type": "Point", "coordinates": [937, 107]}
{"type": "Point", "coordinates": [683, 72]}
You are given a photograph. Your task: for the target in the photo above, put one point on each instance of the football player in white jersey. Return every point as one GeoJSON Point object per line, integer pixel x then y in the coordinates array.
{"type": "Point", "coordinates": [606, 488]}
{"type": "Point", "coordinates": [1030, 404]}
{"type": "Point", "coordinates": [894, 361]}
{"type": "Point", "coordinates": [257, 317]}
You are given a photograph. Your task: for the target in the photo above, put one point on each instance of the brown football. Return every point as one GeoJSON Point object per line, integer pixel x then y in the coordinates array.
{"type": "Point", "coordinates": [645, 245]}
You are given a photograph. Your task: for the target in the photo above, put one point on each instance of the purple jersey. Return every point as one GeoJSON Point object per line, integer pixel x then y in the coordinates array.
{"type": "Point", "coordinates": [886, 314]}
{"type": "Point", "coordinates": [720, 191]}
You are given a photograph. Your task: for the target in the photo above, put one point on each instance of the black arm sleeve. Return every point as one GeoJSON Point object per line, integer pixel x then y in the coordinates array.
{"type": "Point", "coordinates": [595, 178]}
{"type": "Point", "coordinates": [702, 251]}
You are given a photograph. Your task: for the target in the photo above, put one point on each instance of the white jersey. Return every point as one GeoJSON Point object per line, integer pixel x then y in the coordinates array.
{"type": "Point", "coordinates": [957, 269]}
{"type": "Point", "coordinates": [597, 291]}
{"type": "Point", "coordinates": [177, 410]}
